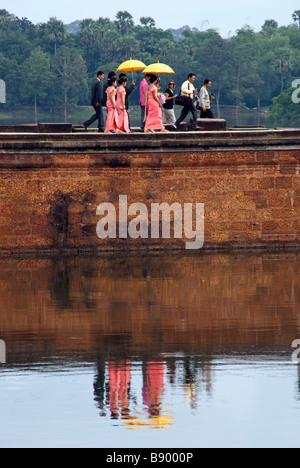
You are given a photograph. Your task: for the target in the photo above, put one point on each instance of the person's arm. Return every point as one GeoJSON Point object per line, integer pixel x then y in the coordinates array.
{"type": "Point", "coordinates": [143, 90]}
{"type": "Point", "coordinates": [156, 96]}
{"type": "Point", "coordinates": [146, 100]}
{"type": "Point", "coordinates": [123, 94]}
{"type": "Point", "coordinates": [202, 99]}
{"type": "Point", "coordinates": [112, 98]}
{"type": "Point", "coordinates": [130, 88]}
{"type": "Point", "coordinates": [99, 90]}
{"type": "Point", "coordinates": [169, 97]}
{"type": "Point", "coordinates": [187, 89]}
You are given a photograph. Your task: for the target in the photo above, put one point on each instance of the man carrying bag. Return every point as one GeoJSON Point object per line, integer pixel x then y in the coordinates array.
{"type": "Point", "coordinates": [186, 100]}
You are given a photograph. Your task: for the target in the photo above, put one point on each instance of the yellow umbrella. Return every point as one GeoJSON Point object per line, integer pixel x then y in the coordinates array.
{"type": "Point", "coordinates": [131, 66]}
{"type": "Point", "coordinates": [158, 68]}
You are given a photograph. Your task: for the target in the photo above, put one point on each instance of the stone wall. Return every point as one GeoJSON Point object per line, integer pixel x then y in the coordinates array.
{"type": "Point", "coordinates": [51, 186]}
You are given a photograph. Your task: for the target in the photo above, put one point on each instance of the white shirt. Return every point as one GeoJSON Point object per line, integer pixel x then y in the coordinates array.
{"type": "Point", "coordinates": [204, 98]}
{"type": "Point", "coordinates": [187, 89]}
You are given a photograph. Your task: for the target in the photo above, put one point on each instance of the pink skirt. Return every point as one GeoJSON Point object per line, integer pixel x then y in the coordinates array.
{"type": "Point", "coordinates": [123, 121]}
{"type": "Point", "coordinates": [154, 117]}
{"type": "Point", "coordinates": [112, 121]}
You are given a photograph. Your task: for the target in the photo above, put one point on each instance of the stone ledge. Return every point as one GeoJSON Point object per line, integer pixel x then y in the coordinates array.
{"type": "Point", "coordinates": [37, 128]}
{"type": "Point", "coordinates": [158, 142]}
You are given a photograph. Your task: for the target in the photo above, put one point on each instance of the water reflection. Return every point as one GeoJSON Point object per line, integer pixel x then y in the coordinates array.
{"type": "Point", "coordinates": [151, 326]}
{"type": "Point", "coordinates": [113, 389]}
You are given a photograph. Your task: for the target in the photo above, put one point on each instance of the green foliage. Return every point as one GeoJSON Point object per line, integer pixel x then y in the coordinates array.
{"type": "Point", "coordinates": [284, 107]}
{"type": "Point", "coordinates": [57, 63]}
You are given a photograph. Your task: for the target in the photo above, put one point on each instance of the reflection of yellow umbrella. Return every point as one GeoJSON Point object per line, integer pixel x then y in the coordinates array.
{"type": "Point", "coordinates": [158, 68]}
{"type": "Point", "coordinates": [131, 66]}
{"type": "Point", "coordinates": [155, 422]}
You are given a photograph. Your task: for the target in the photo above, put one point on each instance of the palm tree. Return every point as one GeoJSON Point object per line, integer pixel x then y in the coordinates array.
{"type": "Point", "coordinates": [55, 32]}
{"type": "Point", "coordinates": [88, 33]}
{"type": "Point", "coordinates": [124, 22]}
{"type": "Point", "coordinates": [296, 17]}
{"type": "Point", "coordinates": [147, 22]}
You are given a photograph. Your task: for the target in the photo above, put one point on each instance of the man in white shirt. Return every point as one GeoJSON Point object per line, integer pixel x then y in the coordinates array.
{"type": "Point", "coordinates": [205, 98]}
{"type": "Point", "coordinates": [188, 90]}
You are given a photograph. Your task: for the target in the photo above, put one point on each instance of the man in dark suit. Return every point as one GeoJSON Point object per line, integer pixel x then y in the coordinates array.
{"type": "Point", "coordinates": [97, 103]}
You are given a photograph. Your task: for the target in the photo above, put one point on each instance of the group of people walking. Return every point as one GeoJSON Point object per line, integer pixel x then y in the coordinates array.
{"type": "Point", "coordinates": [157, 109]}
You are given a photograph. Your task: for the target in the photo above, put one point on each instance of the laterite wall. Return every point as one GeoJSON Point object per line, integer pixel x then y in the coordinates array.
{"type": "Point", "coordinates": [51, 185]}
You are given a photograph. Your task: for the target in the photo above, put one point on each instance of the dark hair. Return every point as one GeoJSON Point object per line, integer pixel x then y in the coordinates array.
{"type": "Point", "coordinates": [123, 79]}
{"type": "Point", "coordinates": [112, 80]}
{"type": "Point", "coordinates": [99, 73]}
{"type": "Point", "coordinates": [111, 74]}
{"type": "Point", "coordinates": [153, 78]}
{"type": "Point", "coordinates": [207, 81]}
{"type": "Point", "coordinates": [191, 74]}
{"type": "Point", "coordinates": [148, 74]}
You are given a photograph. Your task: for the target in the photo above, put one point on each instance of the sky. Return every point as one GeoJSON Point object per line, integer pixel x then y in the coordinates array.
{"type": "Point", "coordinates": [227, 16]}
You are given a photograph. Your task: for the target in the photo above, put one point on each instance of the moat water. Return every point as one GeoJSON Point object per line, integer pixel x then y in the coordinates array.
{"type": "Point", "coordinates": [150, 351]}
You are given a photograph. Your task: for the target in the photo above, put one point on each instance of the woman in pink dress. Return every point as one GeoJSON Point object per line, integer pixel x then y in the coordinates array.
{"type": "Point", "coordinates": [112, 124]}
{"type": "Point", "coordinates": [153, 108]}
{"type": "Point", "coordinates": [123, 116]}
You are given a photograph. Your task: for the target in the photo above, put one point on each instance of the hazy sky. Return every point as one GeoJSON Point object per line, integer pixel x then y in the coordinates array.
{"type": "Point", "coordinates": [227, 16]}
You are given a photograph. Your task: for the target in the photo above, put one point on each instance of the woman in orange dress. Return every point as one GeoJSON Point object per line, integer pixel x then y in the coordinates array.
{"type": "Point", "coordinates": [153, 108]}
{"type": "Point", "coordinates": [112, 124]}
{"type": "Point", "coordinates": [123, 116]}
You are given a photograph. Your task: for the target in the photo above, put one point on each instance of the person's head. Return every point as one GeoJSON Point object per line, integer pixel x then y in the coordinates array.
{"type": "Point", "coordinates": [147, 77]}
{"type": "Point", "coordinates": [171, 84]}
{"type": "Point", "coordinates": [207, 83]}
{"type": "Point", "coordinates": [112, 81]}
{"type": "Point", "coordinates": [100, 75]}
{"type": "Point", "coordinates": [111, 74]}
{"type": "Point", "coordinates": [122, 75]}
{"type": "Point", "coordinates": [123, 81]}
{"type": "Point", "coordinates": [153, 79]}
{"type": "Point", "coordinates": [191, 77]}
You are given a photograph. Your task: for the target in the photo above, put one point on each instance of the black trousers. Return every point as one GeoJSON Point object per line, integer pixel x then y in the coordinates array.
{"type": "Point", "coordinates": [190, 107]}
{"type": "Point", "coordinates": [208, 114]}
{"type": "Point", "coordinates": [97, 116]}
{"type": "Point", "coordinates": [143, 117]}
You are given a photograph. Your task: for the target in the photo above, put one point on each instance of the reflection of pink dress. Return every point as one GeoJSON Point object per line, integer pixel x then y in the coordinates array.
{"type": "Point", "coordinates": [119, 384]}
{"type": "Point", "coordinates": [154, 112]}
{"type": "Point", "coordinates": [153, 386]}
{"type": "Point", "coordinates": [112, 114]}
{"type": "Point", "coordinates": [123, 116]}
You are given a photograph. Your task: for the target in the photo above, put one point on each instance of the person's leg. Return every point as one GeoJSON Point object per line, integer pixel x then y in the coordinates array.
{"type": "Point", "coordinates": [92, 119]}
{"type": "Point", "coordinates": [210, 114]}
{"type": "Point", "coordinates": [203, 115]}
{"type": "Point", "coordinates": [142, 117]}
{"type": "Point", "coordinates": [165, 116]}
{"type": "Point", "coordinates": [182, 116]}
{"type": "Point", "coordinates": [101, 126]}
{"type": "Point", "coordinates": [194, 114]}
{"type": "Point", "coordinates": [168, 117]}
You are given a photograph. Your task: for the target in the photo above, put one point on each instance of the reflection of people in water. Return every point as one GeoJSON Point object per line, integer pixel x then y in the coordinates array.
{"type": "Point", "coordinates": [153, 385]}
{"type": "Point", "coordinates": [100, 385]}
{"type": "Point", "coordinates": [119, 386]}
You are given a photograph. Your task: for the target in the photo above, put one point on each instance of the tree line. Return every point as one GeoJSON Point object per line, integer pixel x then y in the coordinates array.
{"type": "Point", "coordinates": [48, 65]}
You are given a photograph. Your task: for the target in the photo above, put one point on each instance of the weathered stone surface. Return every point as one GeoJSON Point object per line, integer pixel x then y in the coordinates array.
{"type": "Point", "coordinates": [28, 128]}
{"type": "Point", "coordinates": [55, 128]}
{"type": "Point", "coordinates": [37, 128]}
{"type": "Point", "coordinates": [52, 184]}
{"type": "Point", "coordinates": [206, 124]}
